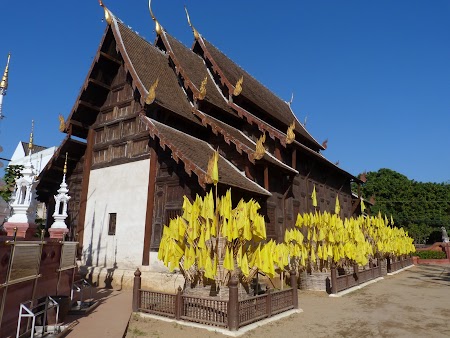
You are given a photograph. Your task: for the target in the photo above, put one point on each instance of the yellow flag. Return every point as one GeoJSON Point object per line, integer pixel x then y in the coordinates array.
{"type": "Point", "coordinates": [363, 207]}
{"type": "Point", "coordinates": [314, 197]}
{"type": "Point", "coordinates": [209, 270]}
{"type": "Point", "coordinates": [337, 208]}
{"type": "Point", "coordinates": [228, 262]}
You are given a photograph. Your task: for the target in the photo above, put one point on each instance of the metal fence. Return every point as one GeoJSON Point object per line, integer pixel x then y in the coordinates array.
{"type": "Point", "coordinates": [231, 313]}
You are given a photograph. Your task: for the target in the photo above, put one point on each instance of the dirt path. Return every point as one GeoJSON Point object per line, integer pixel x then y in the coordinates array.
{"type": "Point", "coordinates": [413, 303]}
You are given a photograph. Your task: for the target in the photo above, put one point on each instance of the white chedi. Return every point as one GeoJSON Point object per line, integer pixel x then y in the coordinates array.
{"type": "Point", "coordinates": [24, 199]}
{"type": "Point", "coordinates": [61, 201]}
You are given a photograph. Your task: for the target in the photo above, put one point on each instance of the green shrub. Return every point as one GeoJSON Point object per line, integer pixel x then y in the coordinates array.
{"type": "Point", "coordinates": [430, 254]}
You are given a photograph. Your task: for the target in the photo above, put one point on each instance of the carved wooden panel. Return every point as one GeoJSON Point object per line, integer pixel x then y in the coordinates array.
{"type": "Point", "coordinates": [129, 127]}
{"type": "Point", "coordinates": [119, 151]}
{"type": "Point", "coordinates": [113, 132]}
{"type": "Point", "coordinates": [139, 147]}
{"type": "Point", "coordinates": [100, 156]}
{"type": "Point", "coordinates": [158, 217]}
{"type": "Point", "coordinates": [100, 136]}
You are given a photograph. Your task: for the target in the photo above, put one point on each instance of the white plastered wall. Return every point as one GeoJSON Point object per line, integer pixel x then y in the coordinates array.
{"type": "Point", "coordinates": [120, 189]}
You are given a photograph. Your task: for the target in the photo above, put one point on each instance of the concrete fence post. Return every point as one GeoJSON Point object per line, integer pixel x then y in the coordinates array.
{"type": "Point", "coordinates": [136, 290]}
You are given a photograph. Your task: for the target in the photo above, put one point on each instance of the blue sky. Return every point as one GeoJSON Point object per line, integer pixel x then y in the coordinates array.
{"type": "Point", "coordinates": [372, 77]}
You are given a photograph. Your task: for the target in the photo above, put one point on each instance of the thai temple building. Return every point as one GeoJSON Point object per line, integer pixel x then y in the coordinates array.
{"type": "Point", "coordinates": [140, 134]}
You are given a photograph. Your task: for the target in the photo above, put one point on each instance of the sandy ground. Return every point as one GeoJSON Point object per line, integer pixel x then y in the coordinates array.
{"type": "Point", "coordinates": [413, 303]}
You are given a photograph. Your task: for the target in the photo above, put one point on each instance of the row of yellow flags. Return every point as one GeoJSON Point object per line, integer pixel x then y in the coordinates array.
{"type": "Point", "coordinates": [191, 241]}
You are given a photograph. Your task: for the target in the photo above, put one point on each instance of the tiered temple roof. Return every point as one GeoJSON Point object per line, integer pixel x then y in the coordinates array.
{"type": "Point", "coordinates": [186, 110]}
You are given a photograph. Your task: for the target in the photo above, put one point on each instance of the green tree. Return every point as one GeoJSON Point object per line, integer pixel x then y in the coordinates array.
{"type": "Point", "coordinates": [12, 172]}
{"type": "Point", "coordinates": [414, 205]}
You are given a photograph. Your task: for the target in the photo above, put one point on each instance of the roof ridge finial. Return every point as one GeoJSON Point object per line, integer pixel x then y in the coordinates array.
{"type": "Point", "coordinates": [196, 34]}
{"type": "Point", "coordinates": [30, 144]}
{"type": "Point", "coordinates": [108, 14]}
{"type": "Point", "coordinates": [4, 82]}
{"type": "Point", "coordinates": [158, 27]}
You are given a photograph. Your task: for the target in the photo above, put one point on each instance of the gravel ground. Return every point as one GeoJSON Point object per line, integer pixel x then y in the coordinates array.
{"type": "Point", "coordinates": [413, 303]}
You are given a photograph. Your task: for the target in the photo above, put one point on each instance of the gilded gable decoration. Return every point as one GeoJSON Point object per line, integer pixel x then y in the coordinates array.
{"type": "Point", "coordinates": [238, 87]}
{"type": "Point", "coordinates": [290, 135]}
{"type": "Point", "coordinates": [202, 92]}
{"type": "Point", "coordinates": [260, 150]}
{"type": "Point", "coordinates": [152, 93]}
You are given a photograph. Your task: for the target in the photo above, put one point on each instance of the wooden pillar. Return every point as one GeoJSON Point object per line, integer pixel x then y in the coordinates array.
{"type": "Point", "coordinates": [293, 276]}
{"type": "Point", "coordinates": [136, 291]}
{"type": "Point", "coordinates": [178, 304]}
{"type": "Point", "coordinates": [150, 206]}
{"type": "Point", "coordinates": [277, 152]}
{"type": "Point", "coordinates": [333, 278]}
{"type": "Point", "coordinates": [233, 304]}
{"type": "Point", "coordinates": [294, 159]}
{"type": "Point", "coordinates": [84, 187]}
{"type": "Point", "coordinates": [269, 303]}
{"type": "Point", "coordinates": [266, 177]}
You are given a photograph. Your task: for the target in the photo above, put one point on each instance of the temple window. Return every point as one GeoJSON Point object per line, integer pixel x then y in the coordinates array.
{"type": "Point", "coordinates": [112, 224]}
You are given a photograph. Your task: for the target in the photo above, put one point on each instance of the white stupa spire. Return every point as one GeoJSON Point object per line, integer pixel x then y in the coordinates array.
{"type": "Point", "coordinates": [59, 227]}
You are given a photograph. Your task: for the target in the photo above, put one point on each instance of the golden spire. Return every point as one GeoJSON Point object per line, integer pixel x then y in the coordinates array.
{"type": "Point", "coordinates": [202, 93]}
{"type": "Point", "coordinates": [196, 35]}
{"type": "Point", "coordinates": [30, 144]}
{"type": "Point", "coordinates": [152, 92]}
{"type": "Point", "coordinates": [65, 165]}
{"type": "Point", "coordinates": [158, 27]}
{"type": "Point", "coordinates": [108, 15]}
{"type": "Point", "coordinates": [238, 87]}
{"type": "Point", "coordinates": [290, 135]}
{"type": "Point", "coordinates": [260, 150]}
{"type": "Point", "coordinates": [4, 83]}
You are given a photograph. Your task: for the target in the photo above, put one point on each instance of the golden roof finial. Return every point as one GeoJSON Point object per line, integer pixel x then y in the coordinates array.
{"type": "Point", "coordinates": [65, 165]}
{"type": "Point", "coordinates": [202, 93]}
{"type": "Point", "coordinates": [152, 92]}
{"type": "Point", "coordinates": [158, 27]}
{"type": "Point", "coordinates": [30, 144]}
{"type": "Point", "coordinates": [260, 150]}
{"type": "Point", "coordinates": [238, 87]}
{"type": "Point", "coordinates": [196, 35]}
{"type": "Point", "coordinates": [62, 123]}
{"type": "Point", "coordinates": [290, 135]}
{"type": "Point", "coordinates": [4, 83]}
{"type": "Point", "coordinates": [108, 15]}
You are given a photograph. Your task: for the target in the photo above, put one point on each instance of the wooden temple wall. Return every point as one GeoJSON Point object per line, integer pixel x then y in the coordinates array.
{"type": "Point", "coordinates": [120, 136]}
{"type": "Point", "coordinates": [74, 182]}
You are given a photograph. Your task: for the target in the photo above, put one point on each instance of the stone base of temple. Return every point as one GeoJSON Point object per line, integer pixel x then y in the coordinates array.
{"type": "Point", "coordinates": [122, 279]}
{"type": "Point", "coordinates": [21, 230]}
{"type": "Point", "coordinates": [58, 233]}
